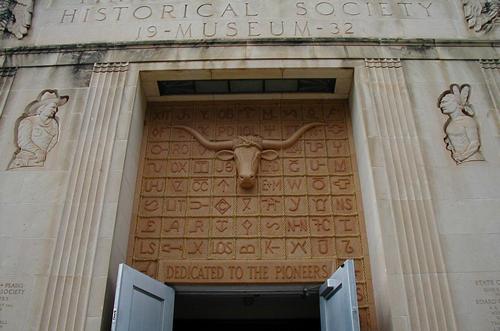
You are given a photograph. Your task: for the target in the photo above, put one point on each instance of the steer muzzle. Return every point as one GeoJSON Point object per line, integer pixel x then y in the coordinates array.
{"type": "Point", "coordinates": [246, 181]}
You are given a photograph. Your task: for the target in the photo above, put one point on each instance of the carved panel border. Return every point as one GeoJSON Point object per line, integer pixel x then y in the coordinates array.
{"type": "Point", "coordinates": [67, 295]}
{"type": "Point", "coordinates": [420, 254]}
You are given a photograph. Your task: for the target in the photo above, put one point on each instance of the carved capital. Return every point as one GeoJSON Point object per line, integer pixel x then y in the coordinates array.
{"type": "Point", "coordinates": [383, 63]}
{"type": "Point", "coordinates": [8, 72]}
{"type": "Point", "coordinates": [481, 15]}
{"type": "Point", "coordinates": [6, 79]}
{"type": "Point", "coordinates": [111, 67]}
{"type": "Point", "coordinates": [490, 63]}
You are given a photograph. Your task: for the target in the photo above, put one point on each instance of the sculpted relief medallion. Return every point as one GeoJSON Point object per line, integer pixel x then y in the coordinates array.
{"type": "Point", "coordinates": [462, 132]}
{"type": "Point", "coordinates": [481, 15]}
{"type": "Point", "coordinates": [15, 16]}
{"type": "Point", "coordinates": [37, 130]}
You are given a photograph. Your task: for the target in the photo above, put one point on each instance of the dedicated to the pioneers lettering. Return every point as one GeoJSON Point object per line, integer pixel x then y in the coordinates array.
{"type": "Point", "coordinates": [255, 272]}
{"type": "Point", "coordinates": [177, 20]}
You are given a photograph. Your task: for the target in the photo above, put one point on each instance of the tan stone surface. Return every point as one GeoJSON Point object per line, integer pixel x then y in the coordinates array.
{"type": "Point", "coordinates": [195, 224]}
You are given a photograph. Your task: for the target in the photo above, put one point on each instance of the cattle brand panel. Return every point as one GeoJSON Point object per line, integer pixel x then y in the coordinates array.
{"type": "Point", "coordinates": [249, 192]}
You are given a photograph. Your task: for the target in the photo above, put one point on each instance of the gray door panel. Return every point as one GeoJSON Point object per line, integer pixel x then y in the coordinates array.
{"type": "Point", "coordinates": [141, 302]}
{"type": "Point", "coordinates": [338, 300]}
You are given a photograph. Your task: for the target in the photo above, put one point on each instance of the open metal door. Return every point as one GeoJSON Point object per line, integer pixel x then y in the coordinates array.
{"type": "Point", "coordinates": [338, 300]}
{"type": "Point", "coordinates": [141, 303]}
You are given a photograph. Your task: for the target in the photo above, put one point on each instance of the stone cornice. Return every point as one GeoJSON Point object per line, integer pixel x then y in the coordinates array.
{"type": "Point", "coordinates": [423, 43]}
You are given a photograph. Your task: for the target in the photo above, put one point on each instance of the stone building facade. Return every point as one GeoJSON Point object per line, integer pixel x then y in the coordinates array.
{"type": "Point", "coordinates": [417, 82]}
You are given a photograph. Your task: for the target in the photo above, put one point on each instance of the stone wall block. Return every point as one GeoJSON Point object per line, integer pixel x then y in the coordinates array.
{"type": "Point", "coordinates": [67, 296]}
{"type": "Point", "coordinates": [421, 259]}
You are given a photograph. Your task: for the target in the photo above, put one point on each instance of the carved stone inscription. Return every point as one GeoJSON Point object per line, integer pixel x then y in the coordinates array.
{"type": "Point", "coordinates": [300, 219]}
{"type": "Point", "coordinates": [188, 20]}
{"type": "Point", "coordinates": [489, 301]}
{"type": "Point", "coordinates": [13, 299]}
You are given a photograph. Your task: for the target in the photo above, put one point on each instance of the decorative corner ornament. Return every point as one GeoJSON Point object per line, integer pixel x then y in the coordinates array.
{"type": "Point", "coordinates": [462, 132]}
{"type": "Point", "coordinates": [15, 16]}
{"type": "Point", "coordinates": [247, 151]}
{"type": "Point", "coordinates": [481, 15]}
{"type": "Point", "coordinates": [37, 130]}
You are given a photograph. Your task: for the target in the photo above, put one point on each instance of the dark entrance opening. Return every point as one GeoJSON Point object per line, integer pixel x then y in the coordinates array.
{"type": "Point", "coordinates": [290, 309]}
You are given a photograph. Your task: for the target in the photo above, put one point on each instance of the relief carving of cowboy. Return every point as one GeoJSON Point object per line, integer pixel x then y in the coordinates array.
{"type": "Point", "coordinates": [462, 133]}
{"type": "Point", "coordinates": [37, 130]}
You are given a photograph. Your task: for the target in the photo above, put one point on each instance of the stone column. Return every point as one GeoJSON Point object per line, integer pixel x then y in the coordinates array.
{"type": "Point", "coordinates": [416, 261]}
{"type": "Point", "coordinates": [6, 78]}
{"type": "Point", "coordinates": [70, 279]}
{"type": "Point", "coordinates": [491, 73]}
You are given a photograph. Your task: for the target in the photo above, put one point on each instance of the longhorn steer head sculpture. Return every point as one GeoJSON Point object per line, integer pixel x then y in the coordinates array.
{"type": "Point", "coordinates": [248, 150]}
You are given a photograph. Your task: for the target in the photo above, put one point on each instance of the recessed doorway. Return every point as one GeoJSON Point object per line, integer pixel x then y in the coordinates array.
{"type": "Point", "coordinates": [272, 309]}
{"type": "Point", "coordinates": [292, 218]}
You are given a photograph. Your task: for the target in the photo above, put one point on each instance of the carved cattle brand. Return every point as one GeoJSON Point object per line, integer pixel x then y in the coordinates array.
{"type": "Point", "coordinates": [248, 150]}
{"type": "Point", "coordinates": [462, 132]}
{"type": "Point", "coordinates": [300, 218]}
{"type": "Point", "coordinates": [15, 16]}
{"type": "Point", "coordinates": [481, 15]}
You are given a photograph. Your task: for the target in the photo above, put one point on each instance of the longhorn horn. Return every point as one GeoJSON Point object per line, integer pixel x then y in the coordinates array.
{"type": "Point", "coordinates": [277, 144]}
{"type": "Point", "coordinates": [212, 145]}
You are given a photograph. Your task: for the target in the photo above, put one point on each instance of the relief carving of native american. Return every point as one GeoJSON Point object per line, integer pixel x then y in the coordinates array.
{"type": "Point", "coordinates": [462, 132]}
{"type": "Point", "coordinates": [248, 150]}
{"type": "Point", "coordinates": [15, 16]}
{"type": "Point", "coordinates": [37, 130]}
{"type": "Point", "coordinates": [481, 15]}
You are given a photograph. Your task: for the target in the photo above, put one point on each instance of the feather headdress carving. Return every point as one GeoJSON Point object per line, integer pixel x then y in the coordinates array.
{"type": "Point", "coordinates": [459, 95]}
{"type": "Point", "coordinates": [462, 131]}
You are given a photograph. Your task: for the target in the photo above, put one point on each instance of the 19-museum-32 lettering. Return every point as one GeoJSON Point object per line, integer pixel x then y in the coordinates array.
{"type": "Point", "coordinates": [222, 19]}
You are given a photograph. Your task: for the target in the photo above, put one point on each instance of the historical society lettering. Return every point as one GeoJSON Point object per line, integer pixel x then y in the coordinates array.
{"type": "Point", "coordinates": [233, 19]}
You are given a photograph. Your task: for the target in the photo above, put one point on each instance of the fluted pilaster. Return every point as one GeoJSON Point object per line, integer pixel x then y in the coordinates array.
{"type": "Point", "coordinates": [7, 75]}
{"type": "Point", "coordinates": [420, 260]}
{"type": "Point", "coordinates": [67, 295]}
{"type": "Point", "coordinates": [491, 73]}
